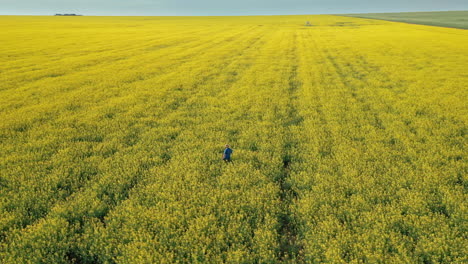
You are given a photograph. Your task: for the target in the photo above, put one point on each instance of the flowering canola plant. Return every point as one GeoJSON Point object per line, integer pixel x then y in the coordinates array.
{"type": "Point", "coordinates": [349, 140]}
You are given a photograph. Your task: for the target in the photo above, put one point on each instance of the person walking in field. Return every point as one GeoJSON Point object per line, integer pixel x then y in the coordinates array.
{"type": "Point", "coordinates": [227, 154]}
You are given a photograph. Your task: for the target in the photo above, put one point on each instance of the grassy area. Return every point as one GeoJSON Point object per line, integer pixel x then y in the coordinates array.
{"type": "Point", "coordinates": [454, 19]}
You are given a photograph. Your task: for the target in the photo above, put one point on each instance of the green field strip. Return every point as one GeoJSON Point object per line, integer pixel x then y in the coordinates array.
{"type": "Point", "coordinates": [451, 19]}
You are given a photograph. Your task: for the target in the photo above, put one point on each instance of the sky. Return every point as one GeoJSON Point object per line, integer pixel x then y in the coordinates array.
{"type": "Point", "coordinates": [222, 7]}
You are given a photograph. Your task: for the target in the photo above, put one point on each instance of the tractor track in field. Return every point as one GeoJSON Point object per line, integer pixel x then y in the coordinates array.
{"type": "Point", "coordinates": [290, 247]}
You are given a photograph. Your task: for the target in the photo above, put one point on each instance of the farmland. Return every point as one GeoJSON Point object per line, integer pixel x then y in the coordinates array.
{"type": "Point", "coordinates": [349, 140]}
{"type": "Point", "coordinates": [455, 19]}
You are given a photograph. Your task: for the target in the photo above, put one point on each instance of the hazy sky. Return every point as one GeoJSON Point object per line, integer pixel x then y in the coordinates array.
{"type": "Point", "coordinates": [222, 7]}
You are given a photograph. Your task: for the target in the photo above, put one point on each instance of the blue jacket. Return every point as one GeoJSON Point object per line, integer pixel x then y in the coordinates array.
{"type": "Point", "coordinates": [227, 153]}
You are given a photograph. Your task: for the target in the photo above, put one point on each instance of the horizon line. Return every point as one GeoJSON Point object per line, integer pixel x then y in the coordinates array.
{"type": "Point", "coordinates": [79, 14]}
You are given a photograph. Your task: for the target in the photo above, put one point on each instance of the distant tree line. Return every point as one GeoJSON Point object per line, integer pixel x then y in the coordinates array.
{"type": "Point", "coordinates": [67, 15]}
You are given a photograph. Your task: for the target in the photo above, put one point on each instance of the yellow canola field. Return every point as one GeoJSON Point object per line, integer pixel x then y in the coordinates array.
{"type": "Point", "coordinates": [349, 140]}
